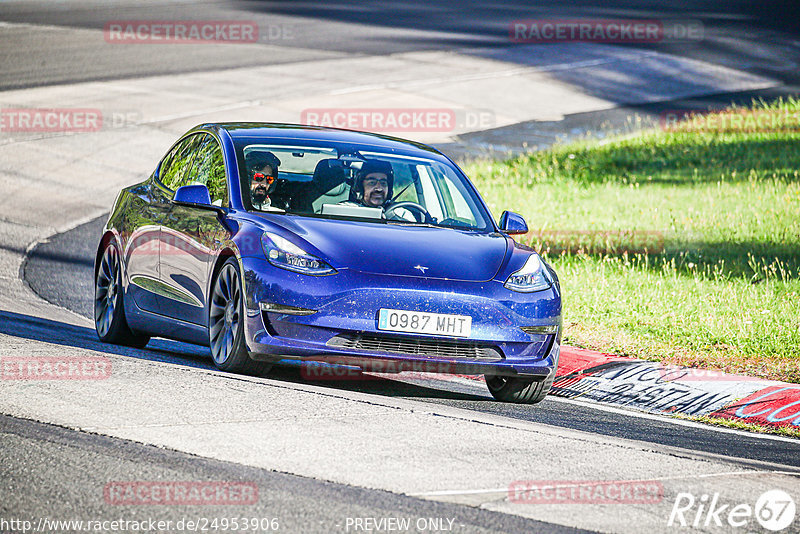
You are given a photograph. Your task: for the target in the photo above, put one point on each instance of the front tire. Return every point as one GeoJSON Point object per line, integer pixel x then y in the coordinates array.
{"type": "Point", "coordinates": [226, 323]}
{"type": "Point", "coordinates": [109, 309]}
{"type": "Point", "coordinates": [519, 390]}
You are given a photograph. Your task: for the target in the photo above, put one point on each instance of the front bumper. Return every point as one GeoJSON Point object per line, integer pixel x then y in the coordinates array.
{"type": "Point", "coordinates": [343, 330]}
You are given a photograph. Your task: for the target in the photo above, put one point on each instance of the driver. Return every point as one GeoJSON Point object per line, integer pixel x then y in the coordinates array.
{"type": "Point", "coordinates": [374, 187]}
{"type": "Point", "coordinates": [374, 184]}
{"type": "Point", "coordinates": [262, 171]}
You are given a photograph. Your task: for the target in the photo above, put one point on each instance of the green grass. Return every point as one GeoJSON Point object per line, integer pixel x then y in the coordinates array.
{"type": "Point", "coordinates": [741, 425]}
{"type": "Point", "coordinates": [681, 245]}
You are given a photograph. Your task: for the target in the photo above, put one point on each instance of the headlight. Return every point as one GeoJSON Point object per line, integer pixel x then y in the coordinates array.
{"type": "Point", "coordinates": [533, 276]}
{"type": "Point", "coordinates": [283, 253]}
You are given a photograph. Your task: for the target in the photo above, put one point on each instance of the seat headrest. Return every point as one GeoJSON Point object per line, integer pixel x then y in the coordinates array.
{"type": "Point", "coordinates": [328, 174]}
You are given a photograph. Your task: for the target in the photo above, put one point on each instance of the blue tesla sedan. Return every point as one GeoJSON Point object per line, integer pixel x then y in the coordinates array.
{"type": "Point", "coordinates": [276, 242]}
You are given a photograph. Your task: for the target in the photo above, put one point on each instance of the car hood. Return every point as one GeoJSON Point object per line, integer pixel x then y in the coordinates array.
{"type": "Point", "coordinates": [412, 251]}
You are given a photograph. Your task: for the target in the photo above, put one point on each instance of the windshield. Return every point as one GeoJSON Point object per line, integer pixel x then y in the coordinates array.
{"type": "Point", "coordinates": [364, 185]}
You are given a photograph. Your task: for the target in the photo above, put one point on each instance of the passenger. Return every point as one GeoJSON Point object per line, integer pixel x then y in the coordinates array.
{"type": "Point", "coordinates": [262, 170]}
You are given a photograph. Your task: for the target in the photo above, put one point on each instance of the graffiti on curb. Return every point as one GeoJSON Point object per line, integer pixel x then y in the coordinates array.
{"type": "Point", "coordinates": [652, 387]}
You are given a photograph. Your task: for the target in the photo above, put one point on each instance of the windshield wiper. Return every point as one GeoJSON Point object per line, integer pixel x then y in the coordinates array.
{"type": "Point", "coordinates": [269, 209]}
{"type": "Point", "coordinates": [412, 223]}
{"type": "Point", "coordinates": [457, 226]}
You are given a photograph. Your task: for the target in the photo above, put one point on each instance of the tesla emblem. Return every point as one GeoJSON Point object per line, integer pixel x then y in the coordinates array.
{"type": "Point", "coordinates": [421, 268]}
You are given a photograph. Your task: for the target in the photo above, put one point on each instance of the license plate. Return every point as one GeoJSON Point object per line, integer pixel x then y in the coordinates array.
{"type": "Point", "coordinates": [439, 324]}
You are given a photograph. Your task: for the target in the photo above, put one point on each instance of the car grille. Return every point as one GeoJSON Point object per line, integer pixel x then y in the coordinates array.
{"type": "Point", "coordinates": [416, 347]}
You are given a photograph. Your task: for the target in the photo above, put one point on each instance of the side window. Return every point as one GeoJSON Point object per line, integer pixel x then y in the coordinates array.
{"type": "Point", "coordinates": [209, 170]}
{"type": "Point", "coordinates": [175, 166]}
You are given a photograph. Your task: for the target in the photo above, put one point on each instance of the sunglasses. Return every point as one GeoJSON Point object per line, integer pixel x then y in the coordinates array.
{"type": "Point", "coordinates": [261, 177]}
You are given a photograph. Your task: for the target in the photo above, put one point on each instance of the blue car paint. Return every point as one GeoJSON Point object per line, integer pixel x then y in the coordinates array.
{"type": "Point", "coordinates": [375, 269]}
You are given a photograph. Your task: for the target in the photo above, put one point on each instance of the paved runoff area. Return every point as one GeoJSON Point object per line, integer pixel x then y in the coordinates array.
{"type": "Point", "coordinates": [53, 180]}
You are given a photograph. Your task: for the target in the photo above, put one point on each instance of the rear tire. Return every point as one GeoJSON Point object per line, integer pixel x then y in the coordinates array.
{"type": "Point", "coordinates": [226, 324]}
{"type": "Point", "coordinates": [519, 390]}
{"type": "Point", "coordinates": [109, 308]}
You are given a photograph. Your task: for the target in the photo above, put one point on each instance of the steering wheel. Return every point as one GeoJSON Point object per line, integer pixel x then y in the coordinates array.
{"type": "Point", "coordinates": [418, 211]}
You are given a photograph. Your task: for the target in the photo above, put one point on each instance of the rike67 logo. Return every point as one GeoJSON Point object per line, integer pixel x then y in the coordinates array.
{"type": "Point", "coordinates": [774, 510]}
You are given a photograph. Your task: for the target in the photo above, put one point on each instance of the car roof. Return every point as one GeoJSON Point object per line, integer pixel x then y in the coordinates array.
{"type": "Point", "coordinates": [265, 131]}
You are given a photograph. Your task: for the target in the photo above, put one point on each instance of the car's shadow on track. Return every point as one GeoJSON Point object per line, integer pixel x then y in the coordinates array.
{"type": "Point", "coordinates": [187, 355]}
{"type": "Point", "coordinates": [73, 336]}
{"type": "Point", "coordinates": [383, 385]}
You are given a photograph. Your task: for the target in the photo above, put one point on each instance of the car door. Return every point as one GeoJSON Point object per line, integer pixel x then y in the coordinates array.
{"type": "Point", "coordinates": [149, 205]}
{"type": "Point", "coordinates": [189, 237]}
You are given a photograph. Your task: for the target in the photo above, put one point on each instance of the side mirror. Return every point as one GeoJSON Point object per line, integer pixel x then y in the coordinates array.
{"type": "Point", "coordinates": [195, 196]}
{"type": "Point", "coordinates": [513, 223]}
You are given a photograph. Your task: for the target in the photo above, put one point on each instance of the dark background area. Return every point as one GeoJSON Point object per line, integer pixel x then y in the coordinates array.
{"type": "Point", "coordinates": [759, 37]}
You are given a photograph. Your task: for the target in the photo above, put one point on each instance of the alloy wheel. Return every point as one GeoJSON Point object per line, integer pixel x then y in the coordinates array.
{"type": "Point", "coordinates": [106, 291]}
{"type": "Point", "coordinates": [225, 314]}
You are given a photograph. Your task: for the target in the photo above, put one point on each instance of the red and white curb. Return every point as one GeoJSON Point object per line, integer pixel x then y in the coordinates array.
{"type": "Point", "coordinates": [646, 386]}
{"type": "Point", "coordinates": [657, 388]}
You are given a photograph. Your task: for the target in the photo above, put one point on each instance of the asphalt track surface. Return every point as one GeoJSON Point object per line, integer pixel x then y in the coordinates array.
{"type": "Point", "coordinates": [60, 270]}
{"type": "Point", "coordinates": [88, 462]}
{"type": "Point", "coordinates": [760, 37]}
{"type": "Point", "coordinates": [50, 43]}
{"type": "Point", "coordinates": [61, 41]}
